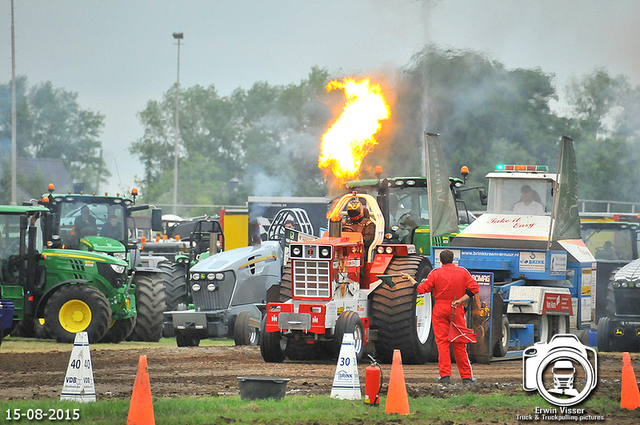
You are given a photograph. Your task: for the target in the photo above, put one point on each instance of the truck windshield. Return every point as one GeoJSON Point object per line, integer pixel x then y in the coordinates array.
{"type": "Point", "coordinates": [519, 196]}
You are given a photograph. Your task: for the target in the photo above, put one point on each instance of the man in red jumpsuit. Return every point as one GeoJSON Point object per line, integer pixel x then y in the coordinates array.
{"type": "Point", "coordinates": [449, 283]}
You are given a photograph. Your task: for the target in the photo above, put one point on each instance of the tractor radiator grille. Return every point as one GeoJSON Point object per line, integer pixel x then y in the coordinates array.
{"type": "Point", "coordinates": [627, 301]}
{"type": "Point", "coordinates": [218, 298]}
{"type": "Point", "coordinates": [76, 264]}
{"type": "Point", "coordinates": [311, 279]}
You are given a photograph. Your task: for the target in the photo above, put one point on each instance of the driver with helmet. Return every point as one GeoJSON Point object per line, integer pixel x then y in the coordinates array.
{"type": "Point", "coordinates": [357, 221]}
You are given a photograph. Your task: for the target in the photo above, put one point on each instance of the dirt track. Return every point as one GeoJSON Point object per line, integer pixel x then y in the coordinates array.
{"type": "Point", "coordinates": [213, 371]}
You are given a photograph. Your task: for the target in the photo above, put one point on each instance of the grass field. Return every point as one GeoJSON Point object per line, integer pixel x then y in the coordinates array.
{"type": "Point", "coordinates": [464, 409]}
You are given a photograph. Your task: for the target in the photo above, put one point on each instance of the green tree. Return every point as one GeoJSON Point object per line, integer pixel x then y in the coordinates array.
{"type": "Point", "coordinates": [51, 124]}
{"type": "Point", "coordinates": [265, 137]}
{"type": "Point", "coordinates": [604, 112]}
{"type": "Point", "coordinates": [485, 114]}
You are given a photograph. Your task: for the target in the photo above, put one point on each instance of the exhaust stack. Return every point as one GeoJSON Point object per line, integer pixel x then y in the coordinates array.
{"type": "Point", "coordinates": [335, 227]}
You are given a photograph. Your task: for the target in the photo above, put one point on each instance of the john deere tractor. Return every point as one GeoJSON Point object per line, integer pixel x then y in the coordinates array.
{"type": "Point", "coordinates": [104, 224]}
{"type": "Point", "coordinates": [69, 290]}
{"type": "Point", "coordinates": [619, 329]}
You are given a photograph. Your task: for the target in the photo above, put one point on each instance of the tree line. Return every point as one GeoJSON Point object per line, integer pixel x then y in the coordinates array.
{"type": "Point", "coordinates": [265, 140]}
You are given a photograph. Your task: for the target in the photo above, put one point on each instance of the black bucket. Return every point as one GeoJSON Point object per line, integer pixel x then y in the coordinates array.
{"type": "Point", "coordinates": [262, 387]}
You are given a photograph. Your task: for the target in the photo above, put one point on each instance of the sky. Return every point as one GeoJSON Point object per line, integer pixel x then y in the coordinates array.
{"type": "Point", "coordinates": [119, 54]}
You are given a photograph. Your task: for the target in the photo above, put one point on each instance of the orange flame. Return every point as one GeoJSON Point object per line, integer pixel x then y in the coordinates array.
{"type": "Point", "coordinates": [351, 137]}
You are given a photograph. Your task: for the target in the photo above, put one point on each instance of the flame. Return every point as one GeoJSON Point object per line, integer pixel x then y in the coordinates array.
{"type": "Point", "coordinates": [351, 137]}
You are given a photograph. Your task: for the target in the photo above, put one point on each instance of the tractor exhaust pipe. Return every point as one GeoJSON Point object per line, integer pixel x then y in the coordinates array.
{"type": "Point", "coordinates": [335, 227]}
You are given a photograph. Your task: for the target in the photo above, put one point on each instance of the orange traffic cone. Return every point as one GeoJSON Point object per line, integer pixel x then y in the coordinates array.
{"type": "Point", "coordinates": [630, 395]}
{"type": "Point", "coordinates": [397, 400]}
{"type": "Point", "coordinates": [141, 407]}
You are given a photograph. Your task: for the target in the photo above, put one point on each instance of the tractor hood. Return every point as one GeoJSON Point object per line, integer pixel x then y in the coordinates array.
{"type": "Point", "coordinates": [101, 244]}
{"type": "Point", "coordinates": [239, 258]}
{"type": "Point", "coordinates": [505, 231]}
{"type": "Point", "coordinates": [83, 257]}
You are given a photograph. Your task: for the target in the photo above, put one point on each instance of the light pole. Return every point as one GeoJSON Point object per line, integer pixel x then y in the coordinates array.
{"type": "Point", "coordinates": [14, 119]}
{"type": "Point", "coordinates": [177, 36]}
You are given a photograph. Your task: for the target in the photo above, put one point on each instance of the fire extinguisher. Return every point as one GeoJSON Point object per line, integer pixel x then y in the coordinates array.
{"type": "Point", "coordinates": [372, 383]}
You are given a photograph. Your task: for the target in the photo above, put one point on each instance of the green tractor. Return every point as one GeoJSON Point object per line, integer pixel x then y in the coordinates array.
{"type": "Point", "coordinates": [104, 224]}
{"type": "Point", "coordinates": [69, 291]}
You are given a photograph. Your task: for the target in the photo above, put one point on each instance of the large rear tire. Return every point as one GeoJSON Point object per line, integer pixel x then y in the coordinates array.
{"type": "Point", "coordinates": [401, 316]}
{"type": "Point", "coordinates": [243, 333]}
{"type": "Point", "coordinates": [272, 344]}
{"type": "Point", "coordinates": [175, 284]}
{"type": "Point", "coordinates": [175, 288]}
{"type": "Point", "coordinates": [285, 283]}
{"type": "Point", "coordinates": [119, 330]}
{"type": "Point", "coordinates": [150, 304]}
{"type": "Point", "coordinates": [77, 308]}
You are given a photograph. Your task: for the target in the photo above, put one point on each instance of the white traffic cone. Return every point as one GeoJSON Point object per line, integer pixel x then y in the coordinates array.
{"type": "Point", "coordinates": [78, 383]}
{"type": "Point", "coordinates": [346, 381]}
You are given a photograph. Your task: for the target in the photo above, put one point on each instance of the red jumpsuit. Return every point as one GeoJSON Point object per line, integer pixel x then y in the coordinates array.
{"type": "Point", "coordinates": [446, 283]}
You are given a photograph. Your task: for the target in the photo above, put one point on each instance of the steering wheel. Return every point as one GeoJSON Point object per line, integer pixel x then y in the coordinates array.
{"type": "Point", "coordinates": [347, 229]}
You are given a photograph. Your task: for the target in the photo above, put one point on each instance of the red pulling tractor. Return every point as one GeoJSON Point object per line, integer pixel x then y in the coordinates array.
{"type": "Point", "coordinates": [334, 289]}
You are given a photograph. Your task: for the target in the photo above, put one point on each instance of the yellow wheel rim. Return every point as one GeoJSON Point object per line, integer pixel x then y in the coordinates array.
{"type": "Point", "coordinates": [75, 316]}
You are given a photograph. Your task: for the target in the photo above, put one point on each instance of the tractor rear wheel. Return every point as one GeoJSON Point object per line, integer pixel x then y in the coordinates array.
{"type": "Point", "coordinates": [285, 283]}
{"type": "Point", "coordinates": [401, 316]}
{"type": "Point", "coordinates": [243, 333]}
{"type": "Point", "coordinates": [175, 284]}
{"type": "Point", "coordinates": [150, 304]}
{"type": "Point", "coordinates": [119, 330]}
{"type": "Point", "coordinates": [175, 287]}
{"type": "Point", "coordinates": [272, 344]}
{"type": "Point", "coordinates": [77, 308]}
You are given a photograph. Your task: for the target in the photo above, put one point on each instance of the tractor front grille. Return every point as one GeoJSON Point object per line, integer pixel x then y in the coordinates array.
{"type": "Point", "coordinates": [213, 294]}
{"type": "Point", "coordinates": [627, 301]}
{"type": "Point", "coordinates": [117, 280]}
{"type": "Point", "coordinates": [311, 279]}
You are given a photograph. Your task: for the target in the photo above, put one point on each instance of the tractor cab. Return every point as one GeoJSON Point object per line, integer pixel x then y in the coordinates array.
{"type": "Point", "coordinates": [520, 189]}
